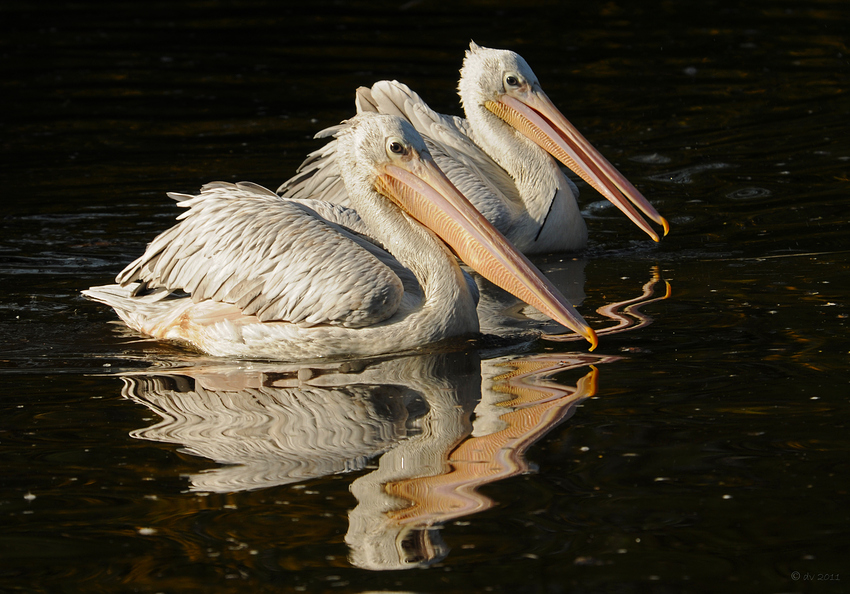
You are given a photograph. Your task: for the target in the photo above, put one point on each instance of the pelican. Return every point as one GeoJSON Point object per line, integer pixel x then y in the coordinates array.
{"type": "Point", "coordinates": [500, 156]}
{"type": "Point", "coordinates": [246, 273]}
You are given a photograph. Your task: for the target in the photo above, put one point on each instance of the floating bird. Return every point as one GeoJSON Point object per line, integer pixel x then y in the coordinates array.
{"type": "Point", "coordinates": [498, 157]}
{"type": "Point", "coordinates": [249, 274]}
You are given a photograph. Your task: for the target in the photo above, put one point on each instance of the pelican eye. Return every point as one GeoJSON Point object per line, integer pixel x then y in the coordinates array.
{"type": "Point", "coordinates": [396, 147]}
{"type": "Point", "coordinates": [512, 81]}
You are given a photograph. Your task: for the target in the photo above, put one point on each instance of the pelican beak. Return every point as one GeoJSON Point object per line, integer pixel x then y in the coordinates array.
{"type": "Point", "coordinates": [536, 117]}
{"type": "Point", "coordinates": [421, 189]}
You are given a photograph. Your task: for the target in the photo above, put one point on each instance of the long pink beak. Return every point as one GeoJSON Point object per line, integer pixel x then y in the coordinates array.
{"type": "Point", "coordinates": [425, 193]}
{"type": "Point", "coordinates": [537, 118]}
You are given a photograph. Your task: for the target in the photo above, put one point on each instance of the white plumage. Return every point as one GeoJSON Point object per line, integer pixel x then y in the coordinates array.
{"type": "Point", "coordinates": [247, 273]}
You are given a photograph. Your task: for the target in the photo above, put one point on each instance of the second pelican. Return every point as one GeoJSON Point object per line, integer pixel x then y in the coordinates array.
{"type": "Point", "coordinates": [500, 156]}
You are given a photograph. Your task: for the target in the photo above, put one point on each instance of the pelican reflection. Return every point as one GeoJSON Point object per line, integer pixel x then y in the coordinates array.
{"type": "Point", "coordinates": [438, 427]}
{"type": "Point", "coordinates": [274, 424]}
{"type": "Point", "coordinates": [434, 477]}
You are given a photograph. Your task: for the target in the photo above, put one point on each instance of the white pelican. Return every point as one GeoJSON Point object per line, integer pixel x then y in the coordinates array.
{"type": "Point", "coordinates": [249, 274]}
{"type": "Point", "coordinates": [499, 157]}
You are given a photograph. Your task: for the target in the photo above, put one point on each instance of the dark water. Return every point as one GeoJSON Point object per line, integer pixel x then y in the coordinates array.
{"type": "Point", "coordinates": [707, 451]}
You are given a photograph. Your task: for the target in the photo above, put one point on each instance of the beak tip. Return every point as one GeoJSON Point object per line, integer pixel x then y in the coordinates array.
{"type": "Point", "coordinates": [592, 339]}
{"type": "Point", "coordinates": [666, 226]}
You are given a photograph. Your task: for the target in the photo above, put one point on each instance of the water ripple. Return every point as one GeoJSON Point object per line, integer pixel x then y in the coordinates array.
{"type": "Point", "coordinates": [685, 176]}
{"type": "Point", "coordinates": [749, 193]}
{"type": "Point", "coordinates": [651, 159]}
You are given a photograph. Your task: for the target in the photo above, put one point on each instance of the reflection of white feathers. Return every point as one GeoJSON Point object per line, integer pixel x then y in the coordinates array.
{"type": "Point", "coordinates": [270, 436]}
{"type": "Point", "coordinates": [275, 424]}
{"type": "Point", "coordinates": [377, 540]}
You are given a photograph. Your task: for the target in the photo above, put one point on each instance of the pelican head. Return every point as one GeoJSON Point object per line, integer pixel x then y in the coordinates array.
{"type": "Point", "coordinates": [502, 82]}
{"type": "Point", "coordinates": [402, 175]}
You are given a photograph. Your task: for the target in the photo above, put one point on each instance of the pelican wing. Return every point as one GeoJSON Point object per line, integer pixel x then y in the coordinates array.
{"type": "Point", "coordinates": [273, 258]}
{"type": "Point", "coordinates": [338, 214]}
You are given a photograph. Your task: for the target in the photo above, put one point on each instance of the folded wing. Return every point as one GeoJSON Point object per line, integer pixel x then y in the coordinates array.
{"type": "Point", "coordinates": [273, 258]}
